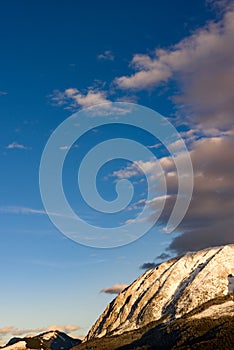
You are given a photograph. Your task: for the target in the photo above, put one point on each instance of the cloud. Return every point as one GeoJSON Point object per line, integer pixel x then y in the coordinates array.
{"type": "Point", "coordinates": [115, 289]}
{"type": "Point", "coordinates": [3, 93]}
{"type": "Point", "coordinates": [150, 72]}
{"type": "Point", "coordinates": [14, 331]}
{"type": "Point", "coordinates": [30, 211]}
{"type": "Point", "coordinates": [209, 220]}
{"type": "Point", "coordinates": [148, 266]}
{"type": "Point", "coordinates": [162, 256]}
{"type": "Point", "coordinates": [126, 173]}
{"type": "Point", "coordinates": [73, 99]}
{"type": "Point", "coordinates": [203, 67]}
{"type": "Point", "coordinates": [86, 100]}
{"type": "Point", "coordinates": [152, 265]}
{"type": "Point", "coordinates": [138, 168]}
{"type": "Point", "coordinates": [16, 145]}
{"type": "Point", "coordinates": [66, 328]}
{"type": "Point", "coordinates": [107, 56]}
{"type": "Point", "coordinates": [21, 210]}
{"type": "Point", "coordinates": [65, 148]}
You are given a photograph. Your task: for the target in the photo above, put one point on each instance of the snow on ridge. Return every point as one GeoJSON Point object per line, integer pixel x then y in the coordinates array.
{"type": "Point", "coordinates": [216, 311]}
{"type": "Point", "coordinates": [171, 289]}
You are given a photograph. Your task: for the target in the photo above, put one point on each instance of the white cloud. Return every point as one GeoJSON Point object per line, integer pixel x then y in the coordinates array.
{"type": "Point", "coordinates": [65, 328]}
{"type": "Point", "coordinates": [149, 168]}
{"type": "Point", "coordinates": [86, 100]}
{"type": "Point", "coordinates": [65, 148]}
{"type": "Point", "coordinates": [73, 98]}
{"type": "Point", "coordinates": [115, 289]}
{"type": "Point", "coordinates": [16, 145]}
{"type": "Point", "coordinates": [150, 72]}
{"type": "Point", "coordinates": [94, 99]}
{"type": "Point", "coordinates": [126, 173]}
{"type": "Point", "coordinates": [107, 55]}
{"type": "Point", "coordinates": [3, 93]}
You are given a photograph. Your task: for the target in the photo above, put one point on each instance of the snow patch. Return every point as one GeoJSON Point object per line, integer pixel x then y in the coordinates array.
{"type": "Point", "coordinates": [216, 311]}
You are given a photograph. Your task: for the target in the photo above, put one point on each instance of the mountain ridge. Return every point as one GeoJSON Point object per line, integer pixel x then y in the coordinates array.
{"type": "Point", "coordinates": [184, 303]}
{"type": "Point", "coordinates": [54, 340]}
{"type": "Point", "coordinates": [168, 291]}
{"type": "Point", "coordinates": [187, 332]}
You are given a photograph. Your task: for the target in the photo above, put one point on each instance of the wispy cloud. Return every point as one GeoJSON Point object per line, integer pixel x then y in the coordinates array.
{"type": "Point", "coordinates": [21, 210]}
{"type": "Point", "coordinates": [16, 145]}
{"type": "Point", "coordinates": [65, 148]}
{"type": "Point", "coordinates": [94, 99]}
{"type": "Point", "coordinates": [107, 56]}
{"type": "Point", "coordinates": [3, 93]}
{"type": "Point", "coordinates": [30, 211]}
{"type": "Point", "coordinates": [14, 331]}
{"type": "Point", "coordinates": [115, 289]}
{"type": "Point", "coordinates": [72, 98]}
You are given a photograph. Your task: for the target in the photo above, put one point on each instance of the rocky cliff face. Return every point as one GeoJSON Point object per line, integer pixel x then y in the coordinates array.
{"type": "Point", "coordinates": [168, 291]}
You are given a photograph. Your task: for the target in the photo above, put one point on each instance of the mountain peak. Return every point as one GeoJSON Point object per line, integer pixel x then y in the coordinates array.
{"type": "Point", "coordinates": [53, 339]}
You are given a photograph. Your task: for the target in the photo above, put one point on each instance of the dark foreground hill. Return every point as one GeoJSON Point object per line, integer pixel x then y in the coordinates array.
{"type": "Point", "coordinates": [209, 327]}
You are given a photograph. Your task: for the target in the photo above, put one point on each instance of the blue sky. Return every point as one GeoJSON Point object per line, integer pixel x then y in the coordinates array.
{"type": "Point", "coordinates": [175, 57]}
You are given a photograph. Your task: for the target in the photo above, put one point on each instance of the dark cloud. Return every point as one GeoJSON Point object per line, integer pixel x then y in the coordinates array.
{"type": "Point", "coordinates": [220, 233]}
{"type": "Point", "coordinates": [209, 220]}
{"type": "Point", "coordinates": [202, 65]}
{"type": "Point", "coordinates": [115, 289]}
{"type": "Point", "coordinates": [162, 256]}
{"type": "Point", "coordinates": [148, 266]}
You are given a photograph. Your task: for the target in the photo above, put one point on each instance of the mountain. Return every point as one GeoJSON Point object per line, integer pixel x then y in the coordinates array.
{"type": "Point", "coordinates": [168, 291]}
{"type": "Point", "coordinates": [182, 303]}
{"type": "Point", "coordinates": [54, 340]}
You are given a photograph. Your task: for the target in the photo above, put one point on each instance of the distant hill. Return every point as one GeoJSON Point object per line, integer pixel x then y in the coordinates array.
{"type": "Point", "coordinates": [54, 340]}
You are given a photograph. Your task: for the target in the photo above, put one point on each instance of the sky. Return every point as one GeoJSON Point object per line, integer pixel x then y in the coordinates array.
{"type": "Point", "coordinates": [59, 58]}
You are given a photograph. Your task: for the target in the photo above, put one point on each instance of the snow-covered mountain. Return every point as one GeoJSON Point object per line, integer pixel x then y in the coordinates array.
{"type": "Point", "coordinates": [54, 340]}
{"type": "Point", "coordinates": [184, 303]}
{"type": "Point", "coordinates": [19, 345]}
{"type": "Point", "coordinates": [169, 291]}
{"type": "Point", "coordinates": [209, 326]}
